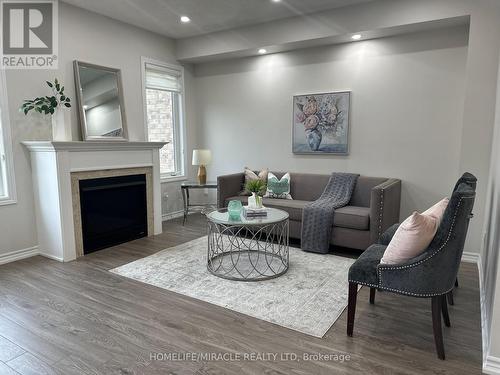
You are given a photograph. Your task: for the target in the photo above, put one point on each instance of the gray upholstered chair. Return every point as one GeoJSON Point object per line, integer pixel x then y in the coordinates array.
{"type": "Point", "coordinates": [386, 237]}
{"type": "Point", "coordinates": [470, 180]}
{"type": "Point", "coordinates": [432, 274]}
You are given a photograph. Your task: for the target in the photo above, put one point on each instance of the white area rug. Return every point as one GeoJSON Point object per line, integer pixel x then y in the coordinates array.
{"type": "Point", "coordinates": [309, 298]}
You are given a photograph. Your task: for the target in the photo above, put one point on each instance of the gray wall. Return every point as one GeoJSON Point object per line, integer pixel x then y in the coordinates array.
{"type": "Point", "coordinates": [406, 110]}
{"type": "Point", "coordinates": [87, 37]}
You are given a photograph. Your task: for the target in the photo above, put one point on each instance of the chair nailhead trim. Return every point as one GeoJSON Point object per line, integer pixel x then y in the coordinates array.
{"type": "Point", "coordinates": [380, 269]}
{"type": "Point", "coordinates": [400, 291]}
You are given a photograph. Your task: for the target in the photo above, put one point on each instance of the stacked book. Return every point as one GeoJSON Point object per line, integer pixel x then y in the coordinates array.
{"type": "Point", "coordinates": [254, 212]}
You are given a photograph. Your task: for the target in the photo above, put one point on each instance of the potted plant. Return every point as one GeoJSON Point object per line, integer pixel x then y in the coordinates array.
{"type": "Point", "coordinates": [54, 106]}
{"type": "Point", "coordinates": [258, 189]}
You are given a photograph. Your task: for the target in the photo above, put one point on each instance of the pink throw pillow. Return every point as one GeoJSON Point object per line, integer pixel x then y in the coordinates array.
{"type": "Point", "coordinates": [411, 239]}
{"type": "Point", "coordinates": [437, 211]}
{"type": "Point", "coordinates": [414, 234]}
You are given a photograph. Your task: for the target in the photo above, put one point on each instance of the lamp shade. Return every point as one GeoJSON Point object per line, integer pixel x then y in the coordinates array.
{"type": "Point", "coordinates": [202, 157]}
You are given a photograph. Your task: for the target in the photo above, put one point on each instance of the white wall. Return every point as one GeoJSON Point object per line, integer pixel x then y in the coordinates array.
{"type": "Point", "coordinates": [91, 38]}
{"type": "Point", "coordinates": [406, 110]}
{"type": "Point", "coordinates": [490, 259]}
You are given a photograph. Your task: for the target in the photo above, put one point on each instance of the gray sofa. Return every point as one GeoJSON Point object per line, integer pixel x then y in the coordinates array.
{"type": "Point", "coordinates": [373, 208]}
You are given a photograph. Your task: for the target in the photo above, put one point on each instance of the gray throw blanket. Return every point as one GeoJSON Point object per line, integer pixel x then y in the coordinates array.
{"type": "Point", "coordinates": [317, 216]}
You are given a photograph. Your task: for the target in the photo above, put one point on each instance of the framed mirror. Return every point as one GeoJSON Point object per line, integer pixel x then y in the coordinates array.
{"type": "Point", "coordinates": [99, 94]}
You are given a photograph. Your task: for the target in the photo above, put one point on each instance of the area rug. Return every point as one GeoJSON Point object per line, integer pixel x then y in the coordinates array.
{"type": "Point", "coordinates": [309, 298]}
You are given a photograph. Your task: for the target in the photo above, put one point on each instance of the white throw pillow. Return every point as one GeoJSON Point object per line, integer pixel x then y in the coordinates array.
{"type": "Point", "coordinates": [250, 176]}
{"type": "Point", "coordinates": [278, 188]}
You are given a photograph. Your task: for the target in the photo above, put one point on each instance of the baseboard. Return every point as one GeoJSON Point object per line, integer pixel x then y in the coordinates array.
{"type": "Point", "coordinates": [53, 257]}
{"type": "Point", "coordinates": [470, 257]}
{"type": "Point", "coordinates": [491, 365]}
{"type": "Point", "coordinates": [485, 336]}
{"type": "Point", "coordinates": [18, 255]}
{"type": "Point", "coordinates": [172, 215]}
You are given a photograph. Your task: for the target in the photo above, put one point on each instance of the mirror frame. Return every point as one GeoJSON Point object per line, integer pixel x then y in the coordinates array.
{"type": "Point", "coordinates": [81, 112]}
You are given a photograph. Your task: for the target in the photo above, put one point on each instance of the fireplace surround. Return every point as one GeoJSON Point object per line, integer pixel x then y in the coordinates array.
{"type": "Point", "coordinates": [108, 184]}
{"type": "Point", "coordinates": [58, 168]}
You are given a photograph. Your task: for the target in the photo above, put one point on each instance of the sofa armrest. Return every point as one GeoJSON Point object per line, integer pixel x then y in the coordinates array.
{"type": "Point", "coordinates": [228, 186]}
{"type": "Point", "coordinates": [384, 207]}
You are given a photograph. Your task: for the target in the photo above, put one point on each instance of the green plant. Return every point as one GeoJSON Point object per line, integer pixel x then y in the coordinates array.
{"type": "Point", "coordinates": [256, 186]}
{"type": "Point", "coordinates": [47, 104]}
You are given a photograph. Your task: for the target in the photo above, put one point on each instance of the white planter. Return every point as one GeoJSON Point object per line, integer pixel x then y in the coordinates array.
{"type": "Point", "coordinates": [61, 125]}
{"type": "Point", "coordinates": [254, 201]}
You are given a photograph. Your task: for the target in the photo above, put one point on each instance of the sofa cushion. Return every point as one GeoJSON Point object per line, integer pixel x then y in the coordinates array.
{"type": "Point", "coordinates": [293, 207]}
{"type": "Point", "coordinates": [352, 217]}
{"type": "Point", "coordinates": [346, 217]}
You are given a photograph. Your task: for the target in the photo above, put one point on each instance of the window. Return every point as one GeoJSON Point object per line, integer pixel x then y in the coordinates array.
{"type": "Point", "coordinates": [163, 97]}
{"type": "Point", "coordinates": [7, 190]}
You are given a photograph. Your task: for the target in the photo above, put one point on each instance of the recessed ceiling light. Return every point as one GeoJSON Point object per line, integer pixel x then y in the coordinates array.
{"type": "Point", "coordinates": [356, 37]}
{"type": "Point", "coordinates": [276, 1]}
{"type": "Point", "coordinates": [262, 51]}
{"type": "Point", "coordinates": [185, 19]}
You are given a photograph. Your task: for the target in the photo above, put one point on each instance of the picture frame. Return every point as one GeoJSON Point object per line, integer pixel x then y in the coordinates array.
{"type": "Point", "coordinates": [321, 123]}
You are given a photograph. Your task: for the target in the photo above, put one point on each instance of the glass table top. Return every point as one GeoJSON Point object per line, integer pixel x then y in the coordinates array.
{"type": "Point", "coordinates": [222, 217]}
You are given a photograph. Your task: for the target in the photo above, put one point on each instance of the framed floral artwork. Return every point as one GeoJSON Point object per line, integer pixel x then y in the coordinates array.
{"type": "Point", "coordinates": [321, 123]}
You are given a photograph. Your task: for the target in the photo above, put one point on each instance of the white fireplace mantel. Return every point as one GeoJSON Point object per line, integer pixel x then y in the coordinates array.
{"type": "Point", "coordinates": [91, 146]}
{"type": "Point", "coordinates": [53, 163]}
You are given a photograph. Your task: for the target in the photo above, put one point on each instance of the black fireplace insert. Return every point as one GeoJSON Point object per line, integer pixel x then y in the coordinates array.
{"type": "Point", "coordinates": [114, 211]}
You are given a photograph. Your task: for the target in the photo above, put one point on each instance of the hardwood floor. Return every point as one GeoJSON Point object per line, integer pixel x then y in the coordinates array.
{"type": "Point", "coordinates": [78, 318]}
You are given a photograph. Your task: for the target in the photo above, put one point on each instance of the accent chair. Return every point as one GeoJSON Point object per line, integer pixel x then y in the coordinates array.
{"type": "Point", "coordinates": [431, 274]}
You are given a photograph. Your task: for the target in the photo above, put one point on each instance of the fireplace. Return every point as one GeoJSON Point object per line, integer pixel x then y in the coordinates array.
{"type": "Point", "coordinates": [113, 211]}
{"type": "Point", "coordinates": [111, 207]}
{"type": "Point", "coordinates": [57, 170]}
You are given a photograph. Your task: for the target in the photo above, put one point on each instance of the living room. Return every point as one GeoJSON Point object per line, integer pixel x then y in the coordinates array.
{"type": "Point", "coordinates": [268, 186]}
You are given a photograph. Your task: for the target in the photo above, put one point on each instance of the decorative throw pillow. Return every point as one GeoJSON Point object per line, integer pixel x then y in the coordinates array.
{"type": "Point", "coordinates": [414, 234]}
{"type": "Point", "coordinates": [411, 239]}
{"type": "Point", "coordinates": [437, 211]}
{"type": "Point", "coordinates": [279, 189]}
{"type": "Point", "coordinates": [250, 175]}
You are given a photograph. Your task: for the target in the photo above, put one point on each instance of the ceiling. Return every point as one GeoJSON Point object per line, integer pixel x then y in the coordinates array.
{"type": "Point", "coordinates": [162, 16]}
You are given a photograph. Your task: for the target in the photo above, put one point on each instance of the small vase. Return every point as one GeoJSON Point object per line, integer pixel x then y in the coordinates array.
{"type": "Point", "coordinates": [61, 125]}
{"type": "Point", "coordinates": [234, 209]}
{"type": "Point", "coordinates": [255, 201]}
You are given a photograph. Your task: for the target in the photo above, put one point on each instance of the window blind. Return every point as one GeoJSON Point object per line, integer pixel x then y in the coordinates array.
{"type": "Point", "coordinates": [163, 78]}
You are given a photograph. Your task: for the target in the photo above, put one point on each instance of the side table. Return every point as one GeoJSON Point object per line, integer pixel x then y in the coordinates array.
{"type": "Point", "coordinates": [185, 187]}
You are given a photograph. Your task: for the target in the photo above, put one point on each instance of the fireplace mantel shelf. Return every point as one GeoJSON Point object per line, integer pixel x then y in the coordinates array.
{"type": "Point", "coordinates": [37, 146]}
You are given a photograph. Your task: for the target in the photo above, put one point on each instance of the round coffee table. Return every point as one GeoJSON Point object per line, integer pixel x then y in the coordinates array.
{"type": "Point", "coordinates": [248, 249]}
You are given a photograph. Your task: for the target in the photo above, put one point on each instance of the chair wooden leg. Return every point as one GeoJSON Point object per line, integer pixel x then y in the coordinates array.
{"type": "Point", "coordinates": [444, 309]}
{"type": "Point", "coordinates": [449, 298]}
{"type": "Point", "coordinates": [351, 308]}
{"type": "Point", "coordinates": [372, 295]}
{"type": "Point", "coordinates": [436, 325]}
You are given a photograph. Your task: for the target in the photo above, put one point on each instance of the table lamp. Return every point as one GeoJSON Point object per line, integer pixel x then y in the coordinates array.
{"type": "Point", "coordinates": [202, 158]}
